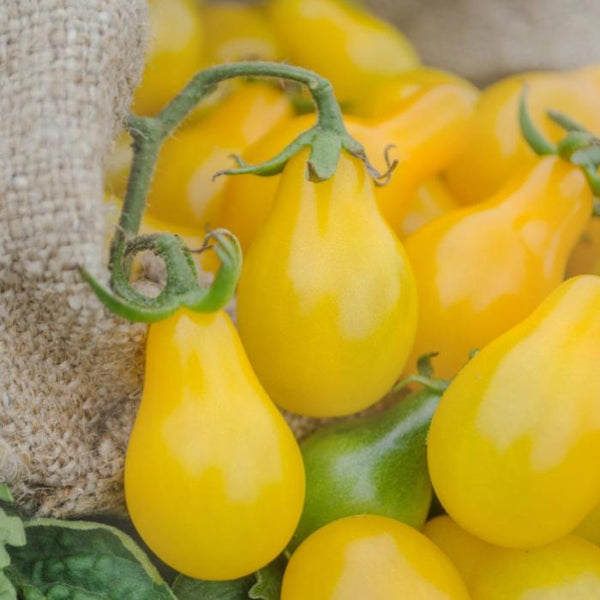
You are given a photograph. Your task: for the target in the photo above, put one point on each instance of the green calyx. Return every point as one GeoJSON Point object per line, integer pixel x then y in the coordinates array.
{"type": "Point", "coordinates": [327, 139]}
{"type": "Point", "coordinates": [579, 146]}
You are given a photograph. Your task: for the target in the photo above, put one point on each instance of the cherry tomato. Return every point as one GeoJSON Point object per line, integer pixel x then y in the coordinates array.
{"type": "Point", "coordinates": [175, 53]}
{"type": "Point", "coordinates": [567, 569]}
{"type": "Point", "coordinates": [326, 301]}
{"type": "Point", "coordinates": [370, 557]}
{"type": "Point", "coordinates": [214, 479]}
{"type": "Point", "coordinates": [514, 445]}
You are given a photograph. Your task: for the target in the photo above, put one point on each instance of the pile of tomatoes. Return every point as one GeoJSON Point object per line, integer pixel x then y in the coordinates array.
{"type": "Point", "coordinates": [470, 273]}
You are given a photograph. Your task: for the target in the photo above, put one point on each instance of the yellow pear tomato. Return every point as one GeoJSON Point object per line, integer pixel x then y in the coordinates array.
{"type": "Point", "coordinates": [426, 116]}
{"type": "Point", "coordinates": [326, 301]}
{"type": "Point", "coordinates": [175, 53]}
{"type": "Point", "coordinates": [370, 557]}
{"type": "Point", "coordinates": [495, 148]}
{"type": "Point", "coordinates": [214, 479]}
{"type": "Point", "coordinates": [183, 191]}
{"type": "Point", "coordinates": [514, 445]}
{"type": "Point", "coordinates": [342, 42]}
{"type": "Point", "coordinates": [567, 569]}
{"type": "Point", "coordinates": [248, 199]}
{"type": "Point", "coordinates": [464, 550]}
{"type": "Point", "coordinates": [234, 31]}
{"type": "Point", "coordinates": [431, 200]}
{"type": "Point", "coordinates": [483, 268]}
{"type": "Point", "coordinates": [238, 31]}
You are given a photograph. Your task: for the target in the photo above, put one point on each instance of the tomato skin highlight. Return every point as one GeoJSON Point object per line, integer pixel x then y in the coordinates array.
{"type": "Point", "coordinates": [211, 465]}
{"type": "Point", "coordinates": [520, 424]}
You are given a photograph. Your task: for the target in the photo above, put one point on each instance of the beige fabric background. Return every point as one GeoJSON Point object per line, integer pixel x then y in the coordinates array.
{"type": "Point", "coordinates": [69, 373]}
{"type": "Point", "coordinates": [484, 40]}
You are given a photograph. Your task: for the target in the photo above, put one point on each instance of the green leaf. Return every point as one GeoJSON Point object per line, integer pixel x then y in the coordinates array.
{"type": "Point", "coordinates": [12, 533]}
{"type": "Point", "coordinates": [5, 494]}
{"type": "Point", "coordinates": [268, 580]}
{"type": "Point", "coordinates": [186, 588]}
{"type": "Point", "coordinates": [7, 589]}
{"type": "Point", "coordinates": [71, 560]}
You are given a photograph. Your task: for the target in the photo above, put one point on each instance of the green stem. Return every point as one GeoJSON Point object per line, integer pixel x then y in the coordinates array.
{"type": "Point", "coordinates": [150, 132]}
{"type": "Point", "coordinates": [205, 81]}
{"type": "Point", "coordinates": [579, 147]}
{"type": "Point", "coordinates": [327, 139]}
{"type": "Point", "coordinates": [533, 136]}
{"type": "Point", "coordinates": [147, 140]}
{"type": "Point", "coordinates": [431, 383]}
{"type": "Point", "coordinates": [424, 376]}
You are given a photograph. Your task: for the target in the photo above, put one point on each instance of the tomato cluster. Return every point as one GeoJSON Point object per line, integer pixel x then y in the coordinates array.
{"type": "Point", "coordinates": [348, 287]}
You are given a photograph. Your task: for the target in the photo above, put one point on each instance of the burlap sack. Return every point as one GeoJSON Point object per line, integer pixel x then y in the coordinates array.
{"type": "Point", "coordinates": [484, 40]}
{"type": "Point", "coordinates": [69, 372]}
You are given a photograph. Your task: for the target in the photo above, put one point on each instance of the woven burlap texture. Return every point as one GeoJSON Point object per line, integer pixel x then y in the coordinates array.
{"type": "Point", "coordinates": [69, 373]}
{"type": "Point", "coordinates": [485, 40]}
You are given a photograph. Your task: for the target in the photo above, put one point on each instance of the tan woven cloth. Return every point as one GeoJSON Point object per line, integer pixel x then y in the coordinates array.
{"type": "Point", "coordinates": [485, 40]}
{"type": "Point", "coordinates": [69, 373]}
